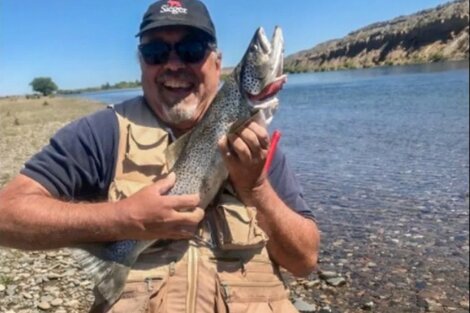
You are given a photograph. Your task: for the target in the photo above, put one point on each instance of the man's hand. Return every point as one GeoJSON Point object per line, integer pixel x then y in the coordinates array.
{"type": "Point", "coordinates": [293, 239]}
{"type": "Point", "coordinates": [151, 214]}
{"type": "Point", "coordinates": [31, 218]}
{"type": "Point", "coordinates": [245, 154]}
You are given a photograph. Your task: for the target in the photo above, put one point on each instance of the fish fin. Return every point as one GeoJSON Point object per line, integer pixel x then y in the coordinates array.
{"type": "Point", "coordinates": [109, 277]}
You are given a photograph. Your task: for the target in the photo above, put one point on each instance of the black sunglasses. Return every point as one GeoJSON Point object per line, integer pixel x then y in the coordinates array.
{"type": "Point", "coordinates": [188, 50]}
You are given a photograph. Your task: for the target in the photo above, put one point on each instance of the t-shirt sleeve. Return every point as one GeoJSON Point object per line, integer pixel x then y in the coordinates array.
{"type": "Point", "coordinates": [78, 163]}
{"type": "Point", "coordinates": [285, 183]}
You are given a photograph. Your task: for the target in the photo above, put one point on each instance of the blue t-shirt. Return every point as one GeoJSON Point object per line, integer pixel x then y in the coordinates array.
{"type": "Point", "coordinates": [79, 162]}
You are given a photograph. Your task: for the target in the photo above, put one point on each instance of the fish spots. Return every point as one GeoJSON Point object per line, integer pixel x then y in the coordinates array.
{"type": "Point", "coordinates": [249, 81]}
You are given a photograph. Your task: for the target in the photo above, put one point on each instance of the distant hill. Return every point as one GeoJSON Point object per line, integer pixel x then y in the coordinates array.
{"type": "Point", "coordinates": [431, 35]}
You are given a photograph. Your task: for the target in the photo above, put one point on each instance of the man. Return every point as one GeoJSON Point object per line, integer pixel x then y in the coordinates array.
{"type": "Point", "coordinates": [59, 199]}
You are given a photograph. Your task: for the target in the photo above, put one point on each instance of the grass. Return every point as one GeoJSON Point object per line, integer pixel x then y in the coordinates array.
{"type": "Point", "coordinates": [27, 124]}
{"type": "Point", "coordinates": [5, 280]}
{"type": "Point", "coordinates": [437, 57]}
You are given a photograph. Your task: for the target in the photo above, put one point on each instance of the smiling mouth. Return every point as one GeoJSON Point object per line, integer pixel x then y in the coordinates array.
{"type": "Point", "coordinates": [177, 86]}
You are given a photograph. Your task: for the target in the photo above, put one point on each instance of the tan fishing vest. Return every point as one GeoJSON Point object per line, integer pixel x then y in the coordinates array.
{"type": "Point", "coordinates": [226, 270]}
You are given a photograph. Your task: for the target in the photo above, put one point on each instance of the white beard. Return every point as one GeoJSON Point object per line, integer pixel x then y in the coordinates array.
{"type": "Point", "coordinates": [179, 113]}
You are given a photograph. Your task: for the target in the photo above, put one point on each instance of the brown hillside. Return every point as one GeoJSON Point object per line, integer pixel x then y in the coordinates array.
{"type": "Point", "coordinates": [431, 35]}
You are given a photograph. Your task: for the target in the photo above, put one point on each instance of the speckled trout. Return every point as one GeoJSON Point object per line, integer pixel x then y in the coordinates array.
{"type": "Point", "coordinates": [249, 91]}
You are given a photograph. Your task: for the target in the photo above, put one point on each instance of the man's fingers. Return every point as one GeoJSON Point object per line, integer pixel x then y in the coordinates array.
{"type": "Point", "coordinates": [182, 202]}
{"type": "Point", "coordinates": [179, 234]}
{"type": "Point", "coordinates": [261, 134]}
{"type": "Point", "coordinates": [187, 231]}
{"type": "Point", "coordinates": [228, 153]}
{"type": "Point", "coordinates": [189, 218]}
{"type": "Point", "coordinates": [251, 139]}
{"type": "Point", "coordinates": [164, 185]}
{"type": "Point", "coordinates": [240, 147]}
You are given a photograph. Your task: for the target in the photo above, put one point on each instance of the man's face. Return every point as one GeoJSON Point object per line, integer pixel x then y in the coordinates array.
{"type": "Point", "coordinates": [179, 92]}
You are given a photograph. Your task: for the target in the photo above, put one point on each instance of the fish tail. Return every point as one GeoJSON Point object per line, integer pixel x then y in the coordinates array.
{"type": "Point", "coordinates": [109, 277]}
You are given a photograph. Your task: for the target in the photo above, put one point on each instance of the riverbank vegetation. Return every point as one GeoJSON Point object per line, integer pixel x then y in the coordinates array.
{"type": "Point", "coordinates": [27, 124]}
{"type": "Point", "coordinates": [106, 86]}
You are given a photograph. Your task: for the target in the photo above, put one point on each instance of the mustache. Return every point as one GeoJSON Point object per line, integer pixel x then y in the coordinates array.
{"type": "Point", "coordinates": [177, 75]}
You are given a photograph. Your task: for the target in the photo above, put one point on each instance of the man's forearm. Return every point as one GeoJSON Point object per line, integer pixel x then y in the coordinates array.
{"type": "Point", "coordinates": [293, 239]}
{"type": "Point", "coordinates": [31, 219]}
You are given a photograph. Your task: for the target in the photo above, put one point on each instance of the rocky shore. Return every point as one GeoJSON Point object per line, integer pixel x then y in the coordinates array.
{"type": "Point", "coordinates": [37, 281]}
{"type": "Point", "coordinates": [50, 281]}
{"type": "Point", "coordinates": [431, 35]}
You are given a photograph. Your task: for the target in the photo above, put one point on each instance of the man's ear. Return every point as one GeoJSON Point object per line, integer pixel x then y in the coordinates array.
{"type": "Point", "coordinates": [219, 60]}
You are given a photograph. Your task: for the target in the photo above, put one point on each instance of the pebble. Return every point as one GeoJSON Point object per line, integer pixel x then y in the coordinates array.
{"type": "Point", "coordinates": [313, 283]}
{"type": "Point", "coordinates": [11, 290]}
{"type": "Point", "coordinates": [46, 299]}
{"type": "Point", "coordinates": [325, 309]}
{"type": "Point", "coordinates": [336, 282]}
{"type": "Point", "coordinates": [57, 302]}
{"type": "Point", "coordinates": [304, 307]}
{"type": "Point", "coordinates": [44, 305]}
{"type": "Point", "coordinates": [432, 306]}
{"type": "Point", "coordinates": [72, 303]}
{"type": "Point", "coordinates": [70, 273]}
{"type": "Point", "coordinates": [464, 305]}
{"type": "Point", "coordinates": [53, 276]}
{"type": "Point", "coordinates": [327, 274]}
{"type": "Point", "coordinates": [2, 288]}
{"type": "Point", "coordinates": [368, 306]}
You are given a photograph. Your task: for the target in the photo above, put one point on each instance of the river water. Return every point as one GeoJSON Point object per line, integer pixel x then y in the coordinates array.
{"type": "Point", "coordinates": [383, 157]}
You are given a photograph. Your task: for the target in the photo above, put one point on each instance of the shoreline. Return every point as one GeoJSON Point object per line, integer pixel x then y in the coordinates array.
{"type": "Point", "coordinates": [458, 64]}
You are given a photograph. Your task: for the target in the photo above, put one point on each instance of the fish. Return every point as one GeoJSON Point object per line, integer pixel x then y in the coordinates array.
{"type": "Point", "coordinates": [249, 91]}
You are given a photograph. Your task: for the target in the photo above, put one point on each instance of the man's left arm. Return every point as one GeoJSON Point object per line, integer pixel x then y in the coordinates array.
{"type": "Point", "coordinates": [293, 239]}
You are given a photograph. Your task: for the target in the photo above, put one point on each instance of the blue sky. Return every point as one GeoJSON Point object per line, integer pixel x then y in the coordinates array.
{"type": "Point", "coordinates": [87, 43]}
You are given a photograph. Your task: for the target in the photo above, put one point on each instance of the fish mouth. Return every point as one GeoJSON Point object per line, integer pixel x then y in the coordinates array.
{"type": "Point", "coordinates": [263, 42]}
{"type": "Point", "coordinates": [265, 103]}
{"type": "Point", "coordinates": [269, 91]}
{"type": "Point", "coordinates": [273, 50]}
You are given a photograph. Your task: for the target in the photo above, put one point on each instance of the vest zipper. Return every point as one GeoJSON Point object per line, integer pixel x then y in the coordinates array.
{"type": "Point", "coordinates": [192, 279]}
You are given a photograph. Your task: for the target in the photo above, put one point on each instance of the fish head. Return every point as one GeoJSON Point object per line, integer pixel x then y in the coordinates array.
{"type": "Point", "coordinates": [261, 72]}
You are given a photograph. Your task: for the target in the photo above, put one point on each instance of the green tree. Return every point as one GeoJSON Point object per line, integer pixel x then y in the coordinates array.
{"type": "Point", "coordinates": [44, 85]}
{"type": "Point", "coordinates": [106, 86]}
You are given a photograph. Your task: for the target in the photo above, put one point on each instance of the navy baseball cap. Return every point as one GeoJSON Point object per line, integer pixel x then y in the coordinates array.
{"type": "Point", "coordinates": [192, 13]}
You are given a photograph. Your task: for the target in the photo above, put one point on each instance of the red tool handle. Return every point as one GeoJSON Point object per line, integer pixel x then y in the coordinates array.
{"type": "Point", "coordinates": [272, 149]}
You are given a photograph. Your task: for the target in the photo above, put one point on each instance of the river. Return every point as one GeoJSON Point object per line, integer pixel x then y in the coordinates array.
{"type": "Point", "coordinates": [383, 157]}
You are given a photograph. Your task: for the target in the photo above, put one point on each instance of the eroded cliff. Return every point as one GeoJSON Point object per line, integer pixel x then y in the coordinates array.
{"type": "Point", "coordinates": [431, 35]}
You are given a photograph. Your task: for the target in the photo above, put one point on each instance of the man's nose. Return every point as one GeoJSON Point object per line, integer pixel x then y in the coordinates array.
{"type": "Point", "coordinates": [174, 63]}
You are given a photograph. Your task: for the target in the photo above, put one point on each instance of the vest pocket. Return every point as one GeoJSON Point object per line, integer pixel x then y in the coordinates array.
{"type": "Point", "coordinates": [139, 296]}
{"type": "Point", "coordinates": [134, 298]}
{"type": "Point", "coordinates": [235, 225]}
{"type": "Point", "coordinates": [253, 288]}
{"type": "Point", "coordinates": [120, 188]}
{"type": "Point", "coordinates": [145, 150]}
{"type": "Point", "coordinates": [252, 297]}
